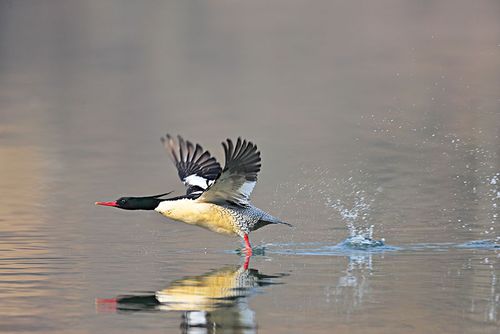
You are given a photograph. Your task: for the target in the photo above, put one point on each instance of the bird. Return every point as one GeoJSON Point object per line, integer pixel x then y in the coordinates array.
{"type": "Point", "coordinates": [217, 199]}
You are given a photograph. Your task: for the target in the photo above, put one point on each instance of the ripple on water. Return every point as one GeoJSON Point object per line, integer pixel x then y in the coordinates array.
{"type": "Point", "coordinates": [352, 245]}
{"type": "Point", "coordinates": [359, 244]}
{"type": "Point", "coordinates": [482, 244]}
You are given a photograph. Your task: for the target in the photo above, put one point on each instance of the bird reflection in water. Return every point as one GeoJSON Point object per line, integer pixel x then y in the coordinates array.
{"type": "Point", "coordinates": [216, 299]}
{"type": "Point", "coordinates": [353, 287]}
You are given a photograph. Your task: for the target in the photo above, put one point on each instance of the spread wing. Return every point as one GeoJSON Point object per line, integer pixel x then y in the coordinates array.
{"type": "Point", "coordinates": [239, 176]}
{"type": "Point", "coordinates": [196, 168]}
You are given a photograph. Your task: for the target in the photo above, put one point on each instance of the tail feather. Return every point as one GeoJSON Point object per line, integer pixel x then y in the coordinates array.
{"type": "Point", "coordinates": [272, 220]}
{"type": "Point", "coordinates": [267, 220]}
{"type": "Point", "coordinates": [281, 222]}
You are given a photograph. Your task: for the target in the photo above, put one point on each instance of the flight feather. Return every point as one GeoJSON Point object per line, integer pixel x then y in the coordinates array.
{"type": "Point", "coordinates": [238, 178]}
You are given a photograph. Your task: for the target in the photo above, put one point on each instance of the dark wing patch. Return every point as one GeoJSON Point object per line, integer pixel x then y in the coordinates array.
{"type": "Point", "coordinates": [196, 168]}
{"type": "Point", "coordinates": [237, 180]}
{"type": "Point", "coordinates": [242, 159]}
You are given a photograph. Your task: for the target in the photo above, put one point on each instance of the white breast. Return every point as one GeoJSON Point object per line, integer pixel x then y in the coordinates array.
{"type": "Point", "coordinates": [202, 214]}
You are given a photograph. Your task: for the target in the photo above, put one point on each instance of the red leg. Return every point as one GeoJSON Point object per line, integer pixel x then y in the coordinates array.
{"type": "Point", "coordinates": [247, 261]}
{"type": "Point", "coordinates": [248, 248]}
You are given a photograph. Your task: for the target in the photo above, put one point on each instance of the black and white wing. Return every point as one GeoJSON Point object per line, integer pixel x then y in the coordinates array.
{"type": "Point", "coordinates": [239, 176]}
{"type": "Point", "coordinates": [196, 168]}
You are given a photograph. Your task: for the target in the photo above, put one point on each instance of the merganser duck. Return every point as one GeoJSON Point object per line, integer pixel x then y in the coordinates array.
{"type": "Point", "coordinates": [216, 199]}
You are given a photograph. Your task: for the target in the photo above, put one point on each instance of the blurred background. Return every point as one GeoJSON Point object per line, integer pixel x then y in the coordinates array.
{"type": "Point", "coordinates": [371, 116]}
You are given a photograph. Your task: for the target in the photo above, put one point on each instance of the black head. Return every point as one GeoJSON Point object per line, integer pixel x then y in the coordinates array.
{"type": "Point", "coordinates": [135, 203]}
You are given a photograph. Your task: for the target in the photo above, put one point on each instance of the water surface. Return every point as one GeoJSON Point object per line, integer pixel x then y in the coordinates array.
{"type": "Point", "coordinates": [378, 125]}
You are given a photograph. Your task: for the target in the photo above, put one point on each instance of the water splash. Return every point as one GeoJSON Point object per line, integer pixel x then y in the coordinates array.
{"type": "Point", "coordinates": [362, 241]}
{"type": "Point", "coordinates": [355, 210]}
{"type": "Point", "coordinates": [493, 195]}
{"type": "Point", "coordinates": [349, 200]}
